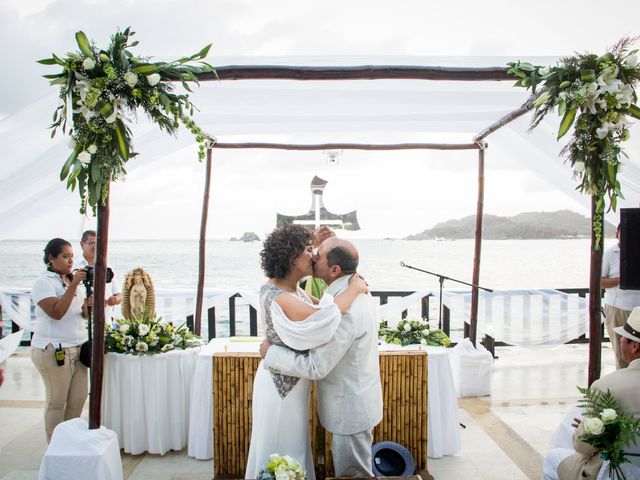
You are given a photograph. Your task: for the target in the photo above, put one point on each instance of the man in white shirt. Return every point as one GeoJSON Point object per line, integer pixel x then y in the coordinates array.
{"type": "Point", "coordinates": [112, 289]}
{"type": "Point", "coordinates": [618, 303]}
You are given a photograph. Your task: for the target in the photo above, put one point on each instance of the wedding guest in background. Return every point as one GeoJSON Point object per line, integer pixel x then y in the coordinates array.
{"type": "Point", "coordinates": [584, 461]}
{"type": "Point", "coordinates": [617, 303]}
{"type": "Point", "coordinates": [113, 293]}
{"type": "Point", "coordinates": [60, 332]}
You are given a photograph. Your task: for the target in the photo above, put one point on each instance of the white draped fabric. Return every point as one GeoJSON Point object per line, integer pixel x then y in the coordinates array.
{"type": "Point", "coordinates": [9, 344]}
{"type": "Point", "coordinates": [146, 399]}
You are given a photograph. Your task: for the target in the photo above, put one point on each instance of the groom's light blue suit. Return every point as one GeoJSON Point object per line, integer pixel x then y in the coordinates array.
{"type": "Point", "coordinates": [348, 372]}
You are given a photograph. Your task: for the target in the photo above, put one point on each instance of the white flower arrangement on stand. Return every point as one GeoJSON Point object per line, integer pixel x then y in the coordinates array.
{"type": "Point", "coordinates": [281, 467]}
{"type": "Point", "coordinates": [410, 332]}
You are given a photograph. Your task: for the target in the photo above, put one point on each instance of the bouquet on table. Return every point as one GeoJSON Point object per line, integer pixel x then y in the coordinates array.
{"type": "Point", "coordinates": [409, 332]}
{"type": "Point", "coordinates": [607, 429]}
{"type": "Point", "coordinates": [281, 468]}
{"type": "Point", "coordinates": [148, 335]}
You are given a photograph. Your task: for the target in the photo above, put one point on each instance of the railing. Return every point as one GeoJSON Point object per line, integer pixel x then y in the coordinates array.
{"type": "Point", "coordinates": [237, 317]}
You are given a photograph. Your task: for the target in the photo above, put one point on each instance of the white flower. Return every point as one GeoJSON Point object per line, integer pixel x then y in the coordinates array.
{"type": "Point", "coordinates": [128, 340]}
{"type": "Point", "coordinates": [88, 63]}
{"type": "Point", "coordinates": [608, 81]}
{"type": "Point", "coordinates": [143, 329]}
{"type": "Point", "coordinates": [578, 167]}
{"type": "Point", "coordinates": [142, 347]}
{"type": "Point", "coordinates": [593, 426]}
{"type": "Point", "coordinates": [407, 327]}
{"type": "Point", "coordinates": [92, 149]}
{"type": "Point", "coordinates": [608, 415]}
{"type": "Point", "coordinates": [112, 118]}
{"type": "Point", "coordinates": [84, 157]}
{"type": "Point", "coordinates": [167, 347]}
{"type": "Point", "coordinates": [423, 341]}
{"type": "Point", "coordinates": [631, 61]}
{"type": "Point", "coordinates": [71, 143]}
{"type": "Point", "coordinates": [131, 78]}
{"type": "Point", "coordinates": [153, 79]}
{"type": "Point", "coordinates": [625, 96]}
{"type": "Point", "coordinates": [603, 131]}
{"type": "Point", "coordinates": [543, 71]}
{"type": "Point", "coordinates": [124, 328]}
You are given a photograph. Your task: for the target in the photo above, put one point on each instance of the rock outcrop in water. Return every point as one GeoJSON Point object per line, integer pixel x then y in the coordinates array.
{"type": "Point", "coordinates": [528, 225]}
{"type": "Point", "coordinates": [246, 237]}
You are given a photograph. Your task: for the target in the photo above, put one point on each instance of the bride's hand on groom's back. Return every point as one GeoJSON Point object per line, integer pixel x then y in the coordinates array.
{"type": "Point", "coordinates": [264, 346]}
{"type": "Point", "coordinates": [358, 282]}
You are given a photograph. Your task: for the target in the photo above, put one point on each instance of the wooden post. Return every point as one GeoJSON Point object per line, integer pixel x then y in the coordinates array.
{"type": "Point", "coordinates": [473, 318]}
{"type": "Point", "coordinates": [595, 291]}
{"type": "Point", "coordinates": [99, 281]}
{"type": "Point", "coordinates": [203, 241]}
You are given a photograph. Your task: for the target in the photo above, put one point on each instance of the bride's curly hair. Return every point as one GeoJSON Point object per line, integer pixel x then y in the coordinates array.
{"type": "Point", "coordinates": [281, 248]}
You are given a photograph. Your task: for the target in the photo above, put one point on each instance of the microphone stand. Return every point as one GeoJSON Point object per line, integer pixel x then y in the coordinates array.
{"type": "Point", "coordinates": [441, 279]}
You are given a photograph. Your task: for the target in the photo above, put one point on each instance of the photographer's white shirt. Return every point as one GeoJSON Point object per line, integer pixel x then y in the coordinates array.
{"type": "Point", "coordinates": [71, 329]}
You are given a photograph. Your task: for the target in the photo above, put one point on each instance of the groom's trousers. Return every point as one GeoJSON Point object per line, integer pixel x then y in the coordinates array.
{"type": "Point", "coordinates": [352, 454]}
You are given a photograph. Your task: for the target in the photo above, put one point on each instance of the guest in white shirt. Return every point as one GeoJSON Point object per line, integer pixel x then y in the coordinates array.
{"type": "Point", "coordinates": [60, 332]}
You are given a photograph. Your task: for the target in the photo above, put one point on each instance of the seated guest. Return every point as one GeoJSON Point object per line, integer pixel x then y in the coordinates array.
{"type": "Point", "coordinates": [584, 461]}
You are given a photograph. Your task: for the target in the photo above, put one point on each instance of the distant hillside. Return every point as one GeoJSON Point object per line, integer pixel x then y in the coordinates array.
{"type": "Point", "coordinates": [528, 225]}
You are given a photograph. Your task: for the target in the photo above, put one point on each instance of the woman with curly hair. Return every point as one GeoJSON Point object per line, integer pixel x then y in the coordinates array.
{"type": "Point", "coordinates": [295, 320]}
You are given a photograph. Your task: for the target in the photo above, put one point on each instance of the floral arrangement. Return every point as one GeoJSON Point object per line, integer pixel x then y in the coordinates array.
{"type": "Point", "coordinates": [597, 95]}
{"type": "Point", "coordinates": [99, 89]}
{"type": "Point", "coordinates": [607, 429]}
{"type": "Point", "coordinates": [281, 468]}
{"type": "Point", "coordinates": [148, 335]}
{"type": "Point", "coordinates": [409, 332]}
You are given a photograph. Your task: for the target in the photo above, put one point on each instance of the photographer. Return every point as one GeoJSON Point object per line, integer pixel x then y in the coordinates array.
{"type": "Point", "coordinates": [112, 288]}
{"type": "Point", "coordinates": [55, 347]}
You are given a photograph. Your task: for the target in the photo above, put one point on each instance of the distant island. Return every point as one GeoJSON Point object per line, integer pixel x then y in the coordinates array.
{"type": "Point", "coordinates": [528, 225]}
{"type": "Point", "coordinates": [246, 237]}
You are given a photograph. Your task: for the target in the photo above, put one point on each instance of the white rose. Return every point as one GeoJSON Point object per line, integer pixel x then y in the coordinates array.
{"type": "Point", "coordinates": [608, 415]}
{"type": "Point", "coordinates": [153, 79]}
{"type": "Point", "coordinates": [131, 78]}
{"type": "Point", "coordinates": [407, 327]}
{"type": "Point", "coordinates": [593, 426]}
{"type": "Point", "coordinates": [142, 347]}
{"type": "Point", "coordinates": [124, 328]}
{"type": "Point", "coordinates": [578, 167]}
{"type": "Point", "coordinates": [143, 329]}
{"type": "Point", "coordinates": [92, 149]}
{"type": "Point", "coordinates": [423, 341]}
{"type": "Point", "coordinates": [631, 61]}
{"type": "Point", "coordinates": [84, 157]}
{"type": "Point", "coordinates": [88, 63]}
{"type": "Point", "coordinates": [602, 132]}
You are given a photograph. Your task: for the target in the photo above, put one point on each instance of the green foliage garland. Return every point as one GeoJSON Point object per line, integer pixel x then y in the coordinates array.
{"type": "Point", "coordinates": [99, 89]}
{"type": "Point", "coordinates": [596, 95]}
{"type": "Point", "coordinates": [409, 332]}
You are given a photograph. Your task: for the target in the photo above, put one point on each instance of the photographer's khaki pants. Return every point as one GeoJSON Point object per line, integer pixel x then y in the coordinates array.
{"type": "Point", "coordinates": [65, 385]}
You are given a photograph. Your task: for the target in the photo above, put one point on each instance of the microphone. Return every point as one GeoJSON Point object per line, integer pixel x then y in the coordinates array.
{"type": "Point", "coordinates": [402, 264]}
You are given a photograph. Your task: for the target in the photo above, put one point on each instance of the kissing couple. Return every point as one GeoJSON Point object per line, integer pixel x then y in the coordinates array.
{"type": "Point", "coordinates": [333, 340]}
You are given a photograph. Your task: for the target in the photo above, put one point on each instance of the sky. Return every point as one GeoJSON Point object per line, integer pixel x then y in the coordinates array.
{"type": "Point", "coordinates": [396, 194]}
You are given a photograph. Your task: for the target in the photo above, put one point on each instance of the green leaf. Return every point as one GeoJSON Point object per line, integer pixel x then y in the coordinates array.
{"type": "Point", "coordinates": [611, 174]}
{"type": "Point", "coordinates": [47, 61]}
{"type": "Point", "coordinates": [588, 75]}
{"type": "Point", "coordinates": [527, 67]}
{"type": "Point", "coordinates": [67, 165]}
{"type": "Point", "coordinates": [567, 121]}
{"type": "Point", "coordinates": [123, 141]}
{"type": "Point", "coordinates": [55, 75]}
{"type": "Point", "coordinates": [83, 43]}
{"type": "Point", "coordinates": [146, 68]}
{"type": "Point", "coordinates": [105, 108]}
{"type": "Point", "coordinates": [58, 60]}
{"type": "Point", "coordinates": [634, 111]}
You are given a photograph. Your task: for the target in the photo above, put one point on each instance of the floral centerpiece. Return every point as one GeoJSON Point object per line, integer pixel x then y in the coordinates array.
{"type": "Point", "coordinates": [281, 468]}
{"type": "Point", "coordinates": [99, 90]}
{"type": "Point", "coordinates": [595, 94]}
{"type": "Point", "coordinates": [607, 428]}
{"type": "Point", "coordinates": [409, 332]}
{"type": "Point", "coordinates": [148, 335]}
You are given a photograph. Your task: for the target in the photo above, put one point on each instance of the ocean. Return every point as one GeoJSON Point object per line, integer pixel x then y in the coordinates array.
{"type": "Point", "coordinates": [505, 264]}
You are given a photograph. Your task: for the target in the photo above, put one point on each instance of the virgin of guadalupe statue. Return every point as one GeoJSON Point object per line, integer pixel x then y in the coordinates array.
{"type": "Point", "coordinates": [138, 295]}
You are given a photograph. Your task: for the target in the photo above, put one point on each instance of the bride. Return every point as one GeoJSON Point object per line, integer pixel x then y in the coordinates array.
{"type": "Point", "coordinates": [298, 321]}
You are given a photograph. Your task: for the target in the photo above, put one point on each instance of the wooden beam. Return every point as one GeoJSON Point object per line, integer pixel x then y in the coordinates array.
{"type": "Point", "coordinates": [595, 291]}
{"type": "Point", "coordinates": [473, 318]}
{"type": "Point", "coordinates": [503, 121]}
{"type": "Point", "coordinates": [350, 146]}
{"type": "Point", "coordinates": [360, 72]}
{"type": "Point", "coordinates": [203, 243]}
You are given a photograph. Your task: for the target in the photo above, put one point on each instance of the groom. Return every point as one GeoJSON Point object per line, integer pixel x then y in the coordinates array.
{"type": "Point", "coordinates": [347, 367]}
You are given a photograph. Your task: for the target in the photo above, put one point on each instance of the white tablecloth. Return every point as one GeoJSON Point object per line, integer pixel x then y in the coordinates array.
{"type": "Point", "coordinates": [146, 399]}
{"type": "Point", "coordinates": [443, 424]}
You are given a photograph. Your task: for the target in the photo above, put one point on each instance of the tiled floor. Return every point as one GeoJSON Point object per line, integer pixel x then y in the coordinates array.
{"type": "Point", "coordinates": [506, 434]}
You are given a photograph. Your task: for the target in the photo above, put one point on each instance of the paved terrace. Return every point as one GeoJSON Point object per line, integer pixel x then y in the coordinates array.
{"type": "Point", "coordinates": [506, 434]}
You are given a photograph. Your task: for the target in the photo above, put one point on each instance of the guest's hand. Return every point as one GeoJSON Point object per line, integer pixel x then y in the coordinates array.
{"type": "Point", "coordinates": [113, 300]}
{"type": "Point", "coordinates": [264, 346]}
{"type": "Point", "coordinates": [1, 376]}
{"type": "Point", "coordinates": [576, 422]}
{"type": "Point", "coordinates": [321, 234]}
{"type": "Point", "coordinates": [358, 282]}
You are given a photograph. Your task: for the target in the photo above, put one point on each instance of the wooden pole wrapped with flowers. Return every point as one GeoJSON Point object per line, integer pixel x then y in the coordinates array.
{"type": "Point", "coordinates": [99, 91]}
{"type": "Point", "coordinates": [595, 95]}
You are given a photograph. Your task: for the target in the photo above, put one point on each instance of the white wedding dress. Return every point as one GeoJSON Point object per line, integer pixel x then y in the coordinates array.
{"type": "Point", "coordinates": [280, 402]}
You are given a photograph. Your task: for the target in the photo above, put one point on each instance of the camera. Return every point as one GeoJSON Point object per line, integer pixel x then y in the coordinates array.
{"type": "Point", "coordinates": [88, 281]}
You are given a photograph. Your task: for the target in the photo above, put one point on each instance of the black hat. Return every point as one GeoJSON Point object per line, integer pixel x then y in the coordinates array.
{"type": "Point", "coordinates": [390, 459]}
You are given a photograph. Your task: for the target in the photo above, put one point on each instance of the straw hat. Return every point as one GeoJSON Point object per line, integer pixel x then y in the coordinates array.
{"type": "Point", "coordinates": [631, 329]}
